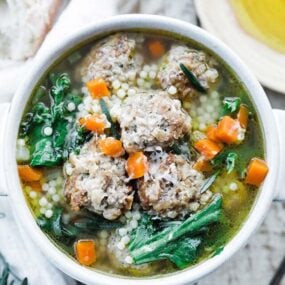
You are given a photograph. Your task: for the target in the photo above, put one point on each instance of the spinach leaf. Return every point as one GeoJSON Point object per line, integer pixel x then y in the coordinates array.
{"type": "Point", "coordinates": [76, 137]}
{"type": "Point", "coordinates": [82, 222]}
{"type": "Point", "coordinates": [184, 252]}
{"type": "Point", "coordinates": [90, 224]}
{"type": "Point", "coordinates": [230, 105]}
{"type": "Point", "coordinates": [192, 79]}
{"type": "Point", "coordinates": [179, 242]}
{"type": "Point", "coordinates": [50, 149]}
{"type": "Point", "coordinates": [227, 158]}
{"type": "Point", "coordinates": [208, 182]}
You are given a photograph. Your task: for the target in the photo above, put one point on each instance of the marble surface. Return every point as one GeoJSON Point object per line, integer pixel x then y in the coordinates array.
{"type": "Point", "coordinates": [259, 260]}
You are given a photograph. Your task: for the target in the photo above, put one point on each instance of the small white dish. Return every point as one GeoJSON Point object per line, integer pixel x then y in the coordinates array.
{"type": "Point", "coordinates": [218, 17]}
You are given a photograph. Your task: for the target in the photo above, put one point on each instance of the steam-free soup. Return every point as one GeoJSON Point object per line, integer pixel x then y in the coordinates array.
{"type": "Point", "coordinates": [140, 154]}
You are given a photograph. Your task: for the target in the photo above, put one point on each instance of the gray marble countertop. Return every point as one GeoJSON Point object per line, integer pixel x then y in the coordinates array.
{"type": "Point", "coordinates": [257, 262]}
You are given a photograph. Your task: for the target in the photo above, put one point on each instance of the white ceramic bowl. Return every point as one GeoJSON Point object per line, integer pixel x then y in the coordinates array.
{"type": "Point", "coordinates": [126, 23]}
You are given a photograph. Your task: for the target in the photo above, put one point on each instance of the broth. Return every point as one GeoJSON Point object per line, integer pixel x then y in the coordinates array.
{"type": "Point", "coordinates": [51, 191]}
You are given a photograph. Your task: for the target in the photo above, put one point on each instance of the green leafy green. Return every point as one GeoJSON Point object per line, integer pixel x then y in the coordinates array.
{"type": "Point", "coordinates": [179, 242]}
{"type": "Point", "coordinates": [192, 79]}
{"type": "Point", "coordinates": [230, 105]}
{"type": "Point", "coordinates": [82, 222]}
{"type": "Point", "coordinates": [227, 159]}
{"type": "Point", "coordinates": [75, 138]}
{"type": "Point", "coordinates": [105, 111]}
{"type": "Point", "coordinates": [208, 182]}
{"type": "Point", "coordinates": [51, 149]}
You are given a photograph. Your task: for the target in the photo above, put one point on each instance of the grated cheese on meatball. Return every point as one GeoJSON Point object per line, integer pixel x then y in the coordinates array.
{"type": "Point", "coordinates": [151, 118]}
{"type": "Point", "coordinates": [113, 58]}
{"type": "Point", "coordinates": [172, 187]}
{"type": "Point", "coordinates": [98, 182]}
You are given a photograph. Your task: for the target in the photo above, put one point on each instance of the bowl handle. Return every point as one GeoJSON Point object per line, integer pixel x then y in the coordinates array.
{"type": "Point", "coordinates": [4, 110]}
{"type": "Point", "coordinates": [280, 185]}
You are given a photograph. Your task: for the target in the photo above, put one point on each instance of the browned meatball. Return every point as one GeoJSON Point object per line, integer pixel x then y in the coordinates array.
{"type": "Point", "coordinates": [170, 73]}
{"type": "Point", "coordinates": [97, 182]}
{"type": "Point", "coordinates": [151, 118]}
{"type": "Point", "coordinates": [110, 59]}
{"type": "Point", "coordinates": [172, 187]}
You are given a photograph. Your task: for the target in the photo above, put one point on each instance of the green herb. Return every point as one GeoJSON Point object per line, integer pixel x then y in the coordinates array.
{"type": "Point", "coordinates": [227, 158]}
{"type": "Point", "coordinates": [192, 79]}
{"type": "Point", "coordinates": [230, 105]}
{"type": "Point", "coordinates": [106, 112]}
{"type": "Point", "coordinates": [50, 150]}
{"type": "Point", "coordinates": [208, 182]}
{"type": "Point", "coordinates": [178, 243]}
{"type": "Point", "coordinates": [8, 277]}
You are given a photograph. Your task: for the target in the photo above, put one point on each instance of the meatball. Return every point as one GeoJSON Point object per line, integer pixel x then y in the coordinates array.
{"type": "Point", "coordinates": [152, 119]}
{"type": "Point", "coordinates": [98, 183]}
{"type": "Point", "coordinates": [170, 73]}
{"type": "Point", "coordinates": [110, 59]}
{"type": "Point", "coordinates": [171, 188]}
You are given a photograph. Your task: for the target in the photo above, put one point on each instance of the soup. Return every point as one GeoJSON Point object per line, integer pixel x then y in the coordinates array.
{"type": "Point", "coordinates": [140, 154]}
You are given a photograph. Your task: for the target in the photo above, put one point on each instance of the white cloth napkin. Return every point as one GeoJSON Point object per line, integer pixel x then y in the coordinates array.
{"type": "Point", "coordinates": [15, 244]}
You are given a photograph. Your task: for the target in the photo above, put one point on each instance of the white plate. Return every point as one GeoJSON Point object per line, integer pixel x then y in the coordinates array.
{"type": "Point", "coordinates": [217, 16]}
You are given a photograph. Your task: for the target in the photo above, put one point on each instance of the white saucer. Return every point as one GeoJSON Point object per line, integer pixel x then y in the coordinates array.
{"type": "Point", "coordinates": [217, 16]}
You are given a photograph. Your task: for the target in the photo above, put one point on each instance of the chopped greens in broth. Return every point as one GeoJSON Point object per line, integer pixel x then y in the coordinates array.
{"type": "Point", "coordinates": [140, 154]}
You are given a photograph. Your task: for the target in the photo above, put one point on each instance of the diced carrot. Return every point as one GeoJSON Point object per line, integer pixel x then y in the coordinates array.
{"type": "Point", "coordinates": [256, 171]}
{"type": "Point", "coordinates": [85, 252]}
{"type": "Point", "coordinates": [156, 48]}
{"type": "Point", "coordinates": [202, 165]}
{"type": "Point", "coordinates": [211, 133]}
{"type": "Point", "coordinates": [228, 130]}
{"type": "Point", "coordinates": [242, 116]}
{"type": "Point", "coordinates": [98, 88]}
{"type": "Point", "coordinates": [94, 123]}
{"type": "Point", "coordinates": [111, 147]}
{"type": "Point", "coordinates": [29, 174]}
{"type": "Point", "coordinates": [137, 165]}
{"type": "Point", "coordinates": [36, 185]}
{"type": "Point", "coordinates": [208, 148]}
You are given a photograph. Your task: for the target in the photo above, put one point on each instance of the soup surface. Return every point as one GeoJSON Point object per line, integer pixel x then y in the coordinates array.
{"type": "Point", "coordinates": [140, 154]}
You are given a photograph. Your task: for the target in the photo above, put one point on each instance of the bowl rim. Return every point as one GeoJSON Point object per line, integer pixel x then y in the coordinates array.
{"type": "Point", "coordinates": [42, 62]}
